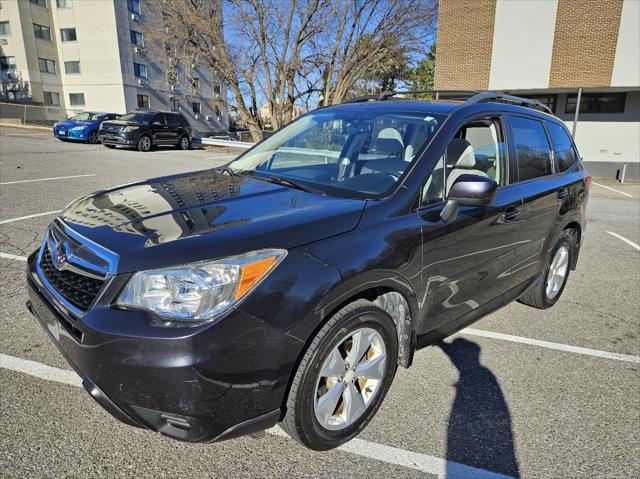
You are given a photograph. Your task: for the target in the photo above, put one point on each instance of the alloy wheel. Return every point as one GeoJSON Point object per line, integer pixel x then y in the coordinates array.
{"type": "Point", "coordinates": [184, 143]}
{"type": "Point", "coordinates": [145, 143]}
{"type": "Point", "coordinates": [557, 272]}
{"type": "Point", "coordinates": [349, 378]}
{"type": "Point", "coordinates": [93, 137]}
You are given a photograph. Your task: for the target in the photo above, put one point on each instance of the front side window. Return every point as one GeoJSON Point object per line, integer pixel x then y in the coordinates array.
{"type": "Point", "coordinates": [171, 120]}
{"type": "Point", "coordinates": [7, 63]}
{"type": "Point", "coordinates": [5, 29]}
{"type": "Point", "coordinates": [533, 152]}
{"type": "Point", "coordinates": [597, 103]}
{"type": "Point", "coordinates": [143, 101]}
{"type": "Point", "coordinates": [42, 32]}
{"type": "Point", "coordinates": [72, 67]}
{"type": "Point", "coordinates": [76, 99]}
{"type": "Point", "coordinates": [564, 152]}
{"type": "Point", "coordinates": [478, 148]}
{"type": "Point", "coordinates": [140, 70]}
{"type": "Point", "coordinates": [68, 34]}
{"type": "Point", "coordinates": [46, 65]}
{"type": "Point", "coordinates": [51, 98]}
{"type": "Point", "coordinates": [137, 117]}
{"type": "Point", "coordinates": [352, 152]}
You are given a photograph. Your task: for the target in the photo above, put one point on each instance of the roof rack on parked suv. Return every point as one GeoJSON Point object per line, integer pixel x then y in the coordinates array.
{"type": "Point", "coordinates": [468, 96]}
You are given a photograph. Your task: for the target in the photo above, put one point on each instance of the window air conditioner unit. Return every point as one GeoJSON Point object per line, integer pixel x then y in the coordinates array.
{"type": "Point", "coordinates": [142, 81]}
{"type": "Point", "coordinates": [135, 17]}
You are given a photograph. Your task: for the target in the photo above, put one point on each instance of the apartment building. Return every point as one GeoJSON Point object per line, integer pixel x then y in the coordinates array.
{"type": "Point", "coordinates": [579, 57]}
{"type": "Point", "coordinates": [91, 55]}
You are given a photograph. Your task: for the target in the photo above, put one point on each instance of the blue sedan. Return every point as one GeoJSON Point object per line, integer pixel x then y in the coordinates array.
{"type": "Point", "coordinates": [82, 127]}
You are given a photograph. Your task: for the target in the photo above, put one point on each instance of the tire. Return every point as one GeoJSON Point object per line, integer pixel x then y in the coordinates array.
{"type": "Point", "coordinates": [145, 143]}
{"type": "Point", "coordinates": [92, 139]}
{"type": "Point", "coordinates": [184, 143]}
{"type": "Point", "coordinates": [303, 408]}
{"type": "Point", "coordinates": [541, 296]}
{"type": "Point", "coordinates": [109, 146]}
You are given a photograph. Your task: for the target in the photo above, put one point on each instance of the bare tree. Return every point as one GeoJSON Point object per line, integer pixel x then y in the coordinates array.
{"type": "Point", "coordinates": [285, 53]}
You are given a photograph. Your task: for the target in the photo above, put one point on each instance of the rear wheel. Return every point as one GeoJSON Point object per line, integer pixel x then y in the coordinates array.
{"type": "Point", "coordinates": [551, 285]}
{"type": "Point", "coordinates": [144, 143]}
{"type": "Point", "coordinates": [93, 138]}
{"type": "Point", "coordinates": [184, 143]}
{"type": "Point", "coordinates": [343, 377]}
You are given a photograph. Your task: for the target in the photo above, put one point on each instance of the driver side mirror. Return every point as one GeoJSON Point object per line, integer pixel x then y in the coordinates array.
{"type": "Point", "coordinates": [468, 190]}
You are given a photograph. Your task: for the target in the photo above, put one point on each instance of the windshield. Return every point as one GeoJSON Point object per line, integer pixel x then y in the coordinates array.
{"type": "Point", "coordinates": [86, 116]}
{"type": "Point", "coordinates": [136, 117]}
{"type": "Point", "coordinates": [345, 152]}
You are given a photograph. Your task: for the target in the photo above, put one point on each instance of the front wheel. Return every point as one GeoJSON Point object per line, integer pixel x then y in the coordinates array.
{"type": "Point", "coordinates": [144, 143]}
{"type": "Point", "coordinates": [554, 278]}
{"type": "Point", "coordinates": [343, 377]}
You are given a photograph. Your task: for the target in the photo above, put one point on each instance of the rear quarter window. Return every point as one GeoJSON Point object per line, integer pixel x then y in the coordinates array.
{"type": "Point", "coordinates": [533, 151]}
{"type": "Point", "coordinates": [563, 149]}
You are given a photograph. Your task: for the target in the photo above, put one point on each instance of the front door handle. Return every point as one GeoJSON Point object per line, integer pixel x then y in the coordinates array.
{"type": "Point", "coordinates": [512, 214]}
{"type": "Point", "coordinates": [561, 194]}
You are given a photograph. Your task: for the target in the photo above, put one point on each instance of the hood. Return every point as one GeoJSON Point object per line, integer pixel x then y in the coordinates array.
{"type": "Point", "coordinates": [205, 215]}
{"type": "Point", "coordinates": [120, 123]}
{"type": "Point", "coordinates": [71, 124]}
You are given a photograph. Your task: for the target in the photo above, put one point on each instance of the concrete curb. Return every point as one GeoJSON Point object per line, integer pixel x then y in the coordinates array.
{"type": "Point", "coordinates": [26, 127]}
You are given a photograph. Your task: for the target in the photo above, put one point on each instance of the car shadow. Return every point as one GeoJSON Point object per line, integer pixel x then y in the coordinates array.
{"type": "Point", "coordinates": [479, 431]}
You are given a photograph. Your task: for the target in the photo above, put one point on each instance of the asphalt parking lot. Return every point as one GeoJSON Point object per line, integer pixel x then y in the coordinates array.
{"type": "Point", "coordinates": [523, 393]}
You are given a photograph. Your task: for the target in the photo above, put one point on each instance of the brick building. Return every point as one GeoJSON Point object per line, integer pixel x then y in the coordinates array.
{"type": "Point", "coordinates": [569, 54]}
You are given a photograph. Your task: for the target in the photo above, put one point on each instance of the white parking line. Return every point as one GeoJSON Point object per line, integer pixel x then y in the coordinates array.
{"type": "Point", "coordinates": [13, 256]}
{"type": "Point", "coordinates": [11, 220]}
{"type": "Point", "coordinates": [612, 189]}
{"type": "Point", "coordinates": [45, 179]}
{"type": "Point", "coordinates": [441, 468]}
{"type": "Point", "coordinates": [628, 241]}
{"type": "Point", "coordinates": [549, 345]}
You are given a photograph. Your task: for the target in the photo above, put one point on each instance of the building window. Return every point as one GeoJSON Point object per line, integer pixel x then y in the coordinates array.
{"type": "Point", "coordinates": [7, 63]}
{"type": "Point", "coordinates": [42, 32]}
{"type": "Point", "coordinates": [549, 100]}
{"type": "Point", "coordinates": [63, 3]}
{"type": "Point", "coordinates": [134, 6]}
{"type": "Point", "coordinates": [175, 104]}
{"type": "Point", "coordinates": [143, 101]}
{"type": "Point", "coordinates": [72, 67]}
{"type": "Point", "coordinates": [196, 108]}
{"type": "Point", "coordinates": [216, 89]}
{"type": "Point", "coordinates": [51, 98]}
{"type": "Point", "coordinates": [5, 29]}
{"type": "Point", "coordinates": [195, 83]}
{"type": "Point", "coordinates": [47, 66]}
{"type": "Point", "coordinates": [140, 70]}
{"type": "Point", "coordinates": [136, 38]}
{"type": "Point", "coordinates": [40, 3]}
{"type": "Point", "coordinates": [76, 99]}
{"type": "Point", "coordinates": [216, 110]}
{"type": "Point", "coordinates": [68, 34]}
{"type": "Point", "coordinates": [597, 103]}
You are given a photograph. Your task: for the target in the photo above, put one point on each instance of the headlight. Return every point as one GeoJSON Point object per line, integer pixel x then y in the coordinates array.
{"type": "Point", "coordinates": [129, 128]}
{"type": "Point", "coordinates": [199, 291]}
{"type": "Point", "coordinates": [78, 128]}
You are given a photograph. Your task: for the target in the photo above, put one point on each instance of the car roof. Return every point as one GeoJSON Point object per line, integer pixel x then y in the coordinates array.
{"type": "Point", "coordinates": [421, 106]}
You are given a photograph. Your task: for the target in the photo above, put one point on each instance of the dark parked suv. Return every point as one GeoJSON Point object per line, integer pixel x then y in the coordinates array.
{"type": "Point", "coordinates": [287, 286]}
{"type": "Point", "coordinates": [145, 129]}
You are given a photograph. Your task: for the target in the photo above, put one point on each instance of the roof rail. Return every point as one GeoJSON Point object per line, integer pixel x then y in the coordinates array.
{"type": "Point", "coordinates": [469, 97]}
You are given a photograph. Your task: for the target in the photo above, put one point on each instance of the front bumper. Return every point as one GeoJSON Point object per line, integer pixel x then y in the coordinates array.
{"type": "Point", "coordinates": [119, 139]}
{"type": "Point", "coordinates": [206, 383]}
{"type": "Point", "coordinates": [71, 135]}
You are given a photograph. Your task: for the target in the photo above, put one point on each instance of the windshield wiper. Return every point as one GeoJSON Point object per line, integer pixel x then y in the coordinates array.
{"type": "Point", "coordinates": [229, 171]}
{"type": "Point", "coordinates": [278, 180]}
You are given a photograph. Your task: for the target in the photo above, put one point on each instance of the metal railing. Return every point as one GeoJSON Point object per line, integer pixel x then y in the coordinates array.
{"type": "Point", "coordinates": [37, 115]}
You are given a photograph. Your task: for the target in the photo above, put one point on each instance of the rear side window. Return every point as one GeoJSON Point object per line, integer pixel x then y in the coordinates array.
{"type": "Point", "coordinates": [532, 148]}
{"type": "Point", "coordinates": [562, 146]}
{"type": "Point", "coordinates": [171, 119]}
{"type": "Point", "coordinates": [158, 118]}
{"type": "Point", "coordinates": [183, 121]}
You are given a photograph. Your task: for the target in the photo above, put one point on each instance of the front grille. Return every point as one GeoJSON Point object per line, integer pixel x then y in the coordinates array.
{"type": "Point", "coordinates": [76, 288]}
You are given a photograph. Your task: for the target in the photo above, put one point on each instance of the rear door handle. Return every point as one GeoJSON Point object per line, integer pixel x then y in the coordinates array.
{"type": "Point", "coordinates": [512, 213]}
{"type": "Point", "coordinates": [562, 193]}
